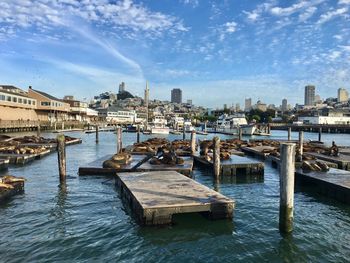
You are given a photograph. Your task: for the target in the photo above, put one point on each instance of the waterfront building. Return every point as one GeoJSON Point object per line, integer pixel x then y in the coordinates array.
{"type": "Point", "coordinates": [309, 99]}
{"type": "Point", "coordinates": [78, 109]}
{"type": "Point", "coordinates": [15, 104]}
{"type": "Point", "coordinates": [49, 108]}
{"type": "Point", "coordinates": [284, 105]}
{"type": "Point", "coordinates": [176, 96]}
{"type": "Point", "coordinates": [117, 115]}
{"type": "Point", "coordinates": [248, 104]}
{"type": "Point", "coordinates": [343, 95]}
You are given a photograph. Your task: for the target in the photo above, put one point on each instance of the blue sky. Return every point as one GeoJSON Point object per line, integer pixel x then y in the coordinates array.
{"type": "Point", "coordinates": [216, 51]}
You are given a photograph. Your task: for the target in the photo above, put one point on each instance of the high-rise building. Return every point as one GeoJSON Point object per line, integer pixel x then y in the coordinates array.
{"type": "Point", "coordinates": [176, 96]}
{"type": "Point", "coordinates": [248, 104]}
{"type": "Point", "coordinates": [309, 95]}
{"type": "Point", "coordinates": [121, 87]}
{"type": "Point", "coordinates": [284, 105]}
{"type": "Point", "coordinates": [146, 98]}
{"type": "Point", "coordinates": [343, 95]}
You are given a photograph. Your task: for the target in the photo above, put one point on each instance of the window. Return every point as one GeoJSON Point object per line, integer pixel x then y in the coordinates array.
{"type": "Point", "coordinates": [2, 97]}
{"type": "Point", "coordinates": [45, 103]}
{"type": "Point", "coordinates": [29, 102]}
{"type": "Point", "coordinates": [8, 98]}
{"type": "Point", "coordinates": [33, 102]}
{"type": "Point", "coordinates": [14, 99]}
{"type": "Point", "coordinates": [24, 101]}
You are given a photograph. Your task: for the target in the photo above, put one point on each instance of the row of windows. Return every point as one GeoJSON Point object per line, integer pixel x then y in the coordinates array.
{"type": "Point", "coordinates": [54, 104]}
{"type": "Point", "coordinates": [121, 113]}
{"type": "Point", "coordinates": [17, 100]}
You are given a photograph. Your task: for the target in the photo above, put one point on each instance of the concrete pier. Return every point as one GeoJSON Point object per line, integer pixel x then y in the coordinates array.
{"type": "Point", "coordinates": [155, 196]}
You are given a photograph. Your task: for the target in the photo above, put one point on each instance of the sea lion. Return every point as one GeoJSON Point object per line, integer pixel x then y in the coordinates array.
{"type": "Point", "coordinates": [324, 166]}
{"type": "Point", "coordinates": [11, 179]}
{"type": "Point", "coordinates": [315, 167]}
{"type": "Point", "coordinates": [306, 167]}
{"type": "Point", "coordinates": [6, 186]}
{"type": "Point", "coordinates": [110, 164]}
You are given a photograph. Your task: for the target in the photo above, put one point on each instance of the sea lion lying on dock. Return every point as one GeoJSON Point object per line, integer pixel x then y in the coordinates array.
{"type": "Point", "coordinates": [169, 157]}
{"type": "Point", "coordinates": [7, 179]}
{"type": "Point", "coordinates": [117, 160]}
{"type": "Point", "coordinates": [316, 167]}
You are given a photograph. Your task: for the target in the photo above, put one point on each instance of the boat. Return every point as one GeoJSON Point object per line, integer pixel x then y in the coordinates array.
{"type": "Point", "coordinates": [174, 132]}
{"type": "Point", "coordinates": [158, 125]}
{"type": "Point", "coordinates": [188, 126]}
{"type": "Point", "coordinates": [232, 123]}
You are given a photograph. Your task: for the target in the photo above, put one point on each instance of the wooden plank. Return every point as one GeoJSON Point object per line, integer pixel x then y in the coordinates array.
{"type": "Point", "coordinates": [95, 167]}
{"type": "Point", "coordinates": [258, 151]}
{"type": "Point", "coordinates": [155, 196]}
{"type": "Point", "coordinates": [185, 168]}
{"type": "Point", "coordinates": [335, 183]}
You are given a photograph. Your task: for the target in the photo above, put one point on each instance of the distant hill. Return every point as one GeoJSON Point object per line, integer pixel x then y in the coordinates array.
{"type": "Point", "coordinates": [124, 95]}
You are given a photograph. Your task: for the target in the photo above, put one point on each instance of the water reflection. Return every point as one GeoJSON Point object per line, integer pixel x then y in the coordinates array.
{"type": "Point", "coordinates": [59, 212]}
{"type": "Point", "coordinates": [289, 251]}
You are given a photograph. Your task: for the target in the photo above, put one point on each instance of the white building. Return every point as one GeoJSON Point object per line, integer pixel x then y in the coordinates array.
{"type": "Point", "coordinates": [325, 120]}
{"type": "Point", "coordinates": [117, 115]}
{"type": "Point", "coordinates": [343, 95]}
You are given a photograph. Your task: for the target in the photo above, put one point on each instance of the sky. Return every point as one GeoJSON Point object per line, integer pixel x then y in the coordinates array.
{"type": "Point", "coordinates": [217, 52]}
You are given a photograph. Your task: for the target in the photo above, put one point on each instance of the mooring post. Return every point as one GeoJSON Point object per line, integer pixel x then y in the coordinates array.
{"type": "Point", "coordinates": [55, 125]}
{"type": "Point", "coordinates": [61, 150]}
{"type": "Point", "coordinates": [240, 133]}
{"type": "Point", "coordinates": [216, 156]}
{"type": "Point", "coordinates": [289, 133]}
{"type": "Point", "coordinates": [38, 131]}
{"type": "Point", "coordinates": [320, 134]}
{"type": "Point", "coordinates": [301, 146]}
{"type": "Point", "coordinates": [287, 187]}
{"type": "Point", "coordinates": [193, 142]}
{"type": "Point", "coordinates": [62, 125]}
{"type": "Point", "coordinates": [205, 126]}
{"type": "Point", "coordinates": [119, 139]}
{"type": "Point", "coordinates": [96, 133]}
{"type": "Point", "coordinates": [183, 133]}
{"type": "Point", "coordinates": [269, 128]}
{"type": "Point", "coordinates": [138, 134]}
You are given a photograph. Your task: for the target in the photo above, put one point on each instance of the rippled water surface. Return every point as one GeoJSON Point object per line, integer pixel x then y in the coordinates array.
{"type": "Point", "coordinates": [86, 221]}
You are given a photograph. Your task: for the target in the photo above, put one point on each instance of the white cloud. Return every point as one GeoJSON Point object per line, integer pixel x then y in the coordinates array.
{"type": "Point", "coordinates": [307, 13]}
{"type": "Point", "coordinates": [332, 14]}
{"type": "Point", "coordinates": [344, 2]}
{"type": "Point", "coordinates": [252, 16]}
{"type": "Point", "coordinates": [193, 3]}
{"type": "Point", "coordinates": [279, 11]}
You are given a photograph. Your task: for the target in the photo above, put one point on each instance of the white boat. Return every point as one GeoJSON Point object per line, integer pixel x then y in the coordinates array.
{"type": "Point", "coordinates": [158, 126]}
{"type": "Point", "coordinates": [188, 126]}
{"type": "Point", "coordinates": [232, 123]}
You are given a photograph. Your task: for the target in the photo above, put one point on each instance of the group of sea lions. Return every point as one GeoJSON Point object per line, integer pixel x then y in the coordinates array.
{"type": "Point", "coordinates": [166, 155]}
{"type": "Point", "coordinates": [316, 166]}
{"type": "Point", "coordinates": [226, 147]}
{"type": "Point", "coordinates": [7, 181]}
{"type": "Point", "coordinates": [149, 146]}
{"type": "Point", "coordinates": [117, 160]}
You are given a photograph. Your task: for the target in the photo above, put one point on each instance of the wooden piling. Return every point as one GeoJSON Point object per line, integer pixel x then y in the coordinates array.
{"type": "Point", "coordinates": [320, 134]}
{"type": "Point", "coordinates": [61, 150]}
{"type": "Point", "coordinates": [240, 133]}
{"type": "Point", "coordinates": [269, 128]}
{"type": "Point", "coordinates": [287, 187]}
{"type": "Point", "coordinates": [183, 133]}
{"type": "Point", "coordinates": [38, 131]}
{"type": "Point", "coordinates": [205, 126]}
{"type": "Point", "coordinates": [62, 125]}
{"type": "Point", "coordinates": [216, 156]}
{"type": "Point", "coordinates": [96, 133]}
{"type": "Point", "coordinates": [55, 125]}
{"type": "Point", "coordinates": [138, 134]}
{"type": "Point", "coordinates": [193, 142]}
{"type": "Point", "coordinates": [301, 146]}
{"type": "Point", "coordinates": [289, 133]}
{"type": "Point", "coordinates": [119, 140]}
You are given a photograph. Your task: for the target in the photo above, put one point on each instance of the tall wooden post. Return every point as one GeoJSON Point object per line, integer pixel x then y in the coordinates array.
{"type": "Point", "coordinates": [205, 126]}
{"type": "Point", "coordinates": [320, 134]}
{"type": "Point", "coordinates": [289, 133]}
{"type": "Point", "coordinates": [240, 133]}
{"type": "Point", "coordinates": [62, 125]}
{"type": "Point", "coordinates": [183, 133]}
{"type": "Point", "coordinates": [38, 131]}
{"type": "Point", "coordinates": [61, 150]}
{"type": "Point", "coordinates": [138, 134]}
{"type": "Point", "coordinates": [301, 144]}
{"type": "Point", "coordinates": [55, 125]}
{"type": "Point", "coordinates": [269, 128]}
{"type": "Point", "coordinates": [119, 140]}
{"type": "Point", "coordinates": [193, 142]}
{"type": "Point", "coordinates": [287, 187]}
{"type": "Point", "coordinates": [216, 156]}
{"type": "Point", "coordinates": [96, 133]}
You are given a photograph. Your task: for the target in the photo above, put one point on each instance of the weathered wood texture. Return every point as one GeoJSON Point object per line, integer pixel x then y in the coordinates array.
{"type": "Point", "coordinates": [155, 196]}
{"type": "Point", "coordinates": [343, 161]}
{"type": "Point", "coordinates": [61, 153]}
{"type": "Point", "coordinates": [335, 183]}
{"type": "Point", "coordinates": [185, 168]}
{"type": "Point", "coordinates": [287, 170]}
{"type": "Point", "coordinates": [216, 157]}
{"type": "Point", "coordinates": [235, 165]}
{"type": "Point", "coordinates": [258, 151]}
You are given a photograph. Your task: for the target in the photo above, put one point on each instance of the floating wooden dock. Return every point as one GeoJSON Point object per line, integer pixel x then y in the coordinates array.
{"type": "Point", "coordinates": [335, 183]}
{"type": "Point", "coordinates": [185, 168]}
{"type": "Point", "coordinates": [95, 168]}
{"type": "Point", "coordinates": [5, 193]}
{"type": "Point", "coordinates": [235, 165]}
{"type": "Point", "coordinates": [155, 196]}
{"type": "Point", "coordinates": [275, 161]}
{"type": "Point", "coordinates": [258, 151]}
{"type": "Point", "coordinates": [4, 163]}
{"type": "Point", "coordinates": [343, 161]}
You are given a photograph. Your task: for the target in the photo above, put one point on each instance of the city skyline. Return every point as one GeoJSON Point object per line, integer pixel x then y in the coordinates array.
{"type": "Point", "coordinates": [224, 52]}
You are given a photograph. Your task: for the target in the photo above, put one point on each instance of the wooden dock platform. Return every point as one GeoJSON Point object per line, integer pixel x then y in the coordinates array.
{"type": "Point", "coordinates": [155, 196]}
{"type": "Point", "coordinates": [343, 161]}
{"type": "Point", "coordinates": [335, 183]}
{"type": "Point", "coordinates": [258, 151]}
{"type": "Point", "coordinates": [185, 168]}
{"type": "Point", "coordinates": [95, 167]}
{"type": "Point", "coordinates": [275, 161]}
{"type": "Point", "coordinates": [235, 165]}
{"type": "Point", "coordinates": [4, 163]}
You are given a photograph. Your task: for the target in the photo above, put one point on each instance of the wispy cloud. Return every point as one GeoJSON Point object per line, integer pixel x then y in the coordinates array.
{"type": "Point", "coordinates": [332, 14]}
